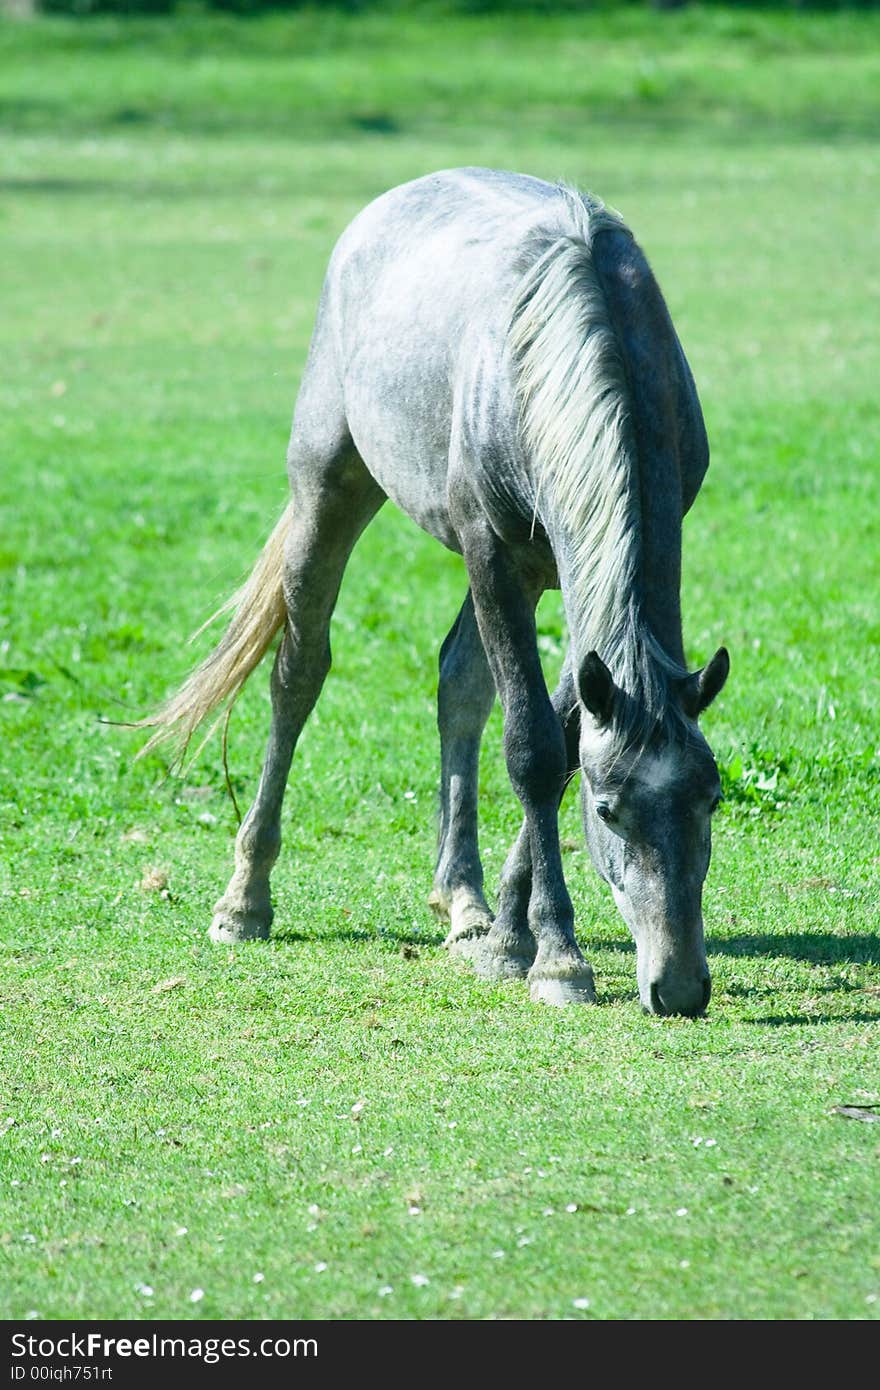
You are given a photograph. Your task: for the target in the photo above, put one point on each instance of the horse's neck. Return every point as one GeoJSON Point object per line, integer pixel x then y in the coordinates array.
{"type": "Point", "coordinates": [651, 606]}
{"type": "Point", "coordinates": [660, 567]}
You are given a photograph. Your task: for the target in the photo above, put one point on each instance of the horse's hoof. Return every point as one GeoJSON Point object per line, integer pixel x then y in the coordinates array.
{"type": "Point", "coordinates": [228, 928]}
{"type": "Point", "coordinates": [468, 935]}
{"type": "Point", "coordinates": [469, 920]}
{"type": "Point", "coordinates": [493, 964]}
{"type": "Point", "coordinates": [565, 989]}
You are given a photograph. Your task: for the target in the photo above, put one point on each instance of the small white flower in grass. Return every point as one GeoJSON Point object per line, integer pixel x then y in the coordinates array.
{"type": "Point", "coordinates": [197, 1295]}
{"type": "Point", "coordinates": [870, 1298]}
{"type": "Point", "coordinates": [320, 1266]}
{"type": "Point", "coordinates": [457, 1292]}
{"type": "Point", "coordinates": [523, 1241]}
{"type": "Point", "coordinates": [312, 1226]}
{"type": "Point", "coordinates": [303, 1100]}
{"type": "Point", "coordinates": [29, 1239]}
{"type": "Point", "coordinates": [56, 1133]}
{"type": "Point", "coordinates": [16, 1182]}
{"type": "Point", "coordinates": [452, 1124]}
{"type": "Point", "coordinates": [258, 1278]}
{"type": "Point", "coordinates": [710, 1143]}
{"type": "Point", "coordinates": [358, 1107]}
{"type": "Point", "coordinates": [389, 1151]}
{"type": "Point", "coordinates": [572, 1206]}
{"type": "Point", "coordinates": [414, 1210]}
{"type": "Point", "coordinates": [698, 1141]}
{"type": "Point", "coordinates": [409, 796]}
{"type": "Point", "coordinates": [314, 1209]}
{"type": "Point", "coordinates": [580, 1303]}
{"type": "Point", "coordinates": [630, 1211]}
{"type": "Point", "coordinates": [684, 1264]}
{"type": "Point", "coordinates": [681, 1211]}
{"type": "Point", "coordinates": [45, 1158]}
{"type": "Point", "coordinates": [357, 1149]}
{"type": "Point", "coordinates": [63, 1182]}
{"type": "Point", "coordinates": [145, 1290]}
{"type": "Point", "coordinates": [548, 1211]}
{"type": "Point", "coordinates": [385, 1290]}
{"type": "Point", "coordinates": [31, 1315]}
{"type": "Point", "coordinates": [181, 1231]}
{"type": "Point", "coordinates": [420, 1280]}
{"type": "Point", "coordinates": [497, 1254]}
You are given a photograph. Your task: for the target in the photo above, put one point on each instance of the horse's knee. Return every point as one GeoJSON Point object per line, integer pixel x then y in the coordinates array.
{"type": "Point", "coordinates": [536, 757]}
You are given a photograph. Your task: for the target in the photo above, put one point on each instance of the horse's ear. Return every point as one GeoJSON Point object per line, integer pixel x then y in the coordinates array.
{"type": "Point", "coordinates": [699, 690]}
{"type": "Point", "coordinates": [595, 687]}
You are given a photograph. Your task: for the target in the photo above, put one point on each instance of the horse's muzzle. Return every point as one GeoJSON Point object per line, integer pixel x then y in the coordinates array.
{"type": "Point", "coordinates": [687, 997]}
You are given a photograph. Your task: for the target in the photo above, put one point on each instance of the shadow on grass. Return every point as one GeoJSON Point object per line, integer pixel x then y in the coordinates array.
{"type": "Point", "coordinates": [408, 944]}
{"type": "Point", "coordinates": [817, 1020]}
{"type": "Point", "coordinates": [290, 936]}
{"type": "Point", "coordinates": [823, 948]}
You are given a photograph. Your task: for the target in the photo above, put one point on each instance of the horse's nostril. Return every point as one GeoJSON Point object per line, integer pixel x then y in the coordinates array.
{"type": "Point", "coordinates": [657, 1005]}
{"type": "Point", "coordinates": [685, 1002]}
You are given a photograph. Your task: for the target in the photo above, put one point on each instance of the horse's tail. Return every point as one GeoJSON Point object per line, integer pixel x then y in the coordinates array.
{"type": "Point", "coordinates": [258, 611]}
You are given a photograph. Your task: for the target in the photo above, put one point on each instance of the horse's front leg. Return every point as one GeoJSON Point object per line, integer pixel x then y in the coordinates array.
{"type": "Point", "coordinates": [535, 749]}
{"type": "Point", "coordinates": [507, 943]}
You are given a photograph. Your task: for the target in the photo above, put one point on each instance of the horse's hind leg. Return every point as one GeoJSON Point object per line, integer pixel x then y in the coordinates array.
{"type": "Point", "coordinates": [334, 499]}
{"type": "Point", "coordinates": [465, 695]}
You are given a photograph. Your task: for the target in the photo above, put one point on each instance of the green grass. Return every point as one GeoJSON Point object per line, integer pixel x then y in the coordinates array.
{"type": "Point", "coordinates": [169, 194]}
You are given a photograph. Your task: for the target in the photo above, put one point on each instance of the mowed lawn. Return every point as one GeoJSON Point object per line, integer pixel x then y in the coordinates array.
{"type": "Point", "coordinates": [342, 1122]}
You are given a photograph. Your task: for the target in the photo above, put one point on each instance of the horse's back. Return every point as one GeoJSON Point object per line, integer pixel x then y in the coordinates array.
{"type": "Point", "coordinates": [416, 286]}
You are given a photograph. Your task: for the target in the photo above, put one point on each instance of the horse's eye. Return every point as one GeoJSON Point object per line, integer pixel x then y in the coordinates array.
{"type": "Point", "coordinates": [604, 812]}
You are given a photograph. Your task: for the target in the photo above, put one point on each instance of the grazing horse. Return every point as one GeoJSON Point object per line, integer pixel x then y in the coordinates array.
{"type": "Point", "coordinates": [492, 352]}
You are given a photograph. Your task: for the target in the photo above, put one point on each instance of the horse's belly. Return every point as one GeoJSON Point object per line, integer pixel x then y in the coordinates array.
{"type": "Point", "coordinates": [407, 452]}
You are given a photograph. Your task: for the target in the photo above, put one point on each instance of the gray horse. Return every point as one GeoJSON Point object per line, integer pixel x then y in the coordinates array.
{"type": "Point", "coordinates": [493, 353]}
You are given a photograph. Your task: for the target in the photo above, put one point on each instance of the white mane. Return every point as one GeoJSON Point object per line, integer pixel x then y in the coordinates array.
{"type": "Point", "coordinates": [575, 421]}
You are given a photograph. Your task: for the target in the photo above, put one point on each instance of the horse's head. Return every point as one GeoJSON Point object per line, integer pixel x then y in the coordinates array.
{"type": "Point", "coordinates": [647, 818]}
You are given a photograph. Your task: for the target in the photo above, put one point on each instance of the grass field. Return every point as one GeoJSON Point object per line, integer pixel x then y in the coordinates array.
{"type": "Point", "coordinates": [342, 1111]}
